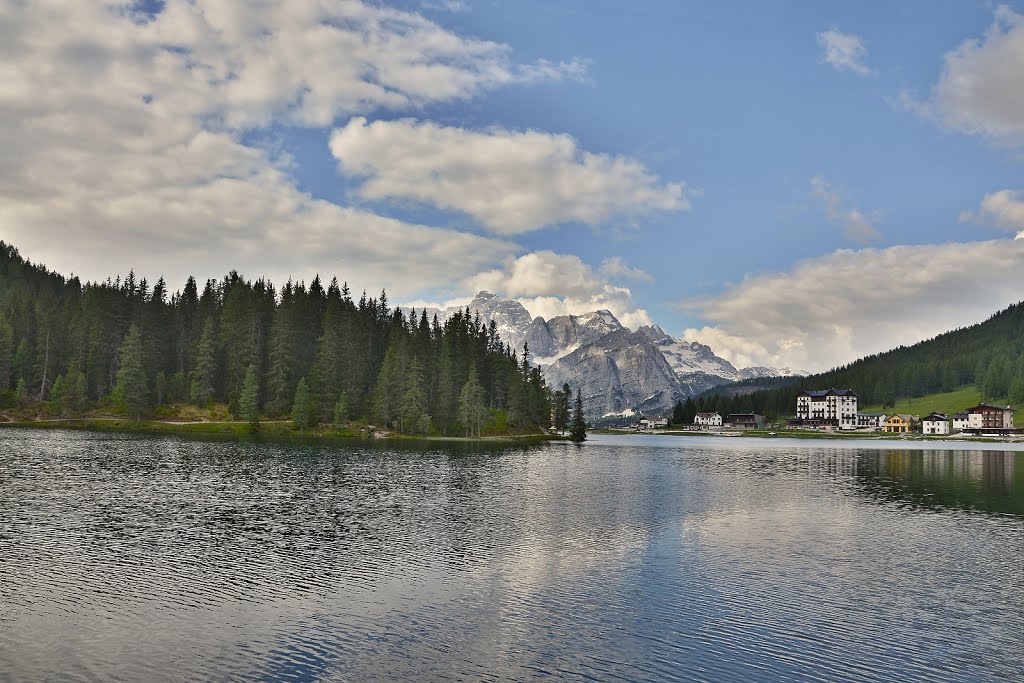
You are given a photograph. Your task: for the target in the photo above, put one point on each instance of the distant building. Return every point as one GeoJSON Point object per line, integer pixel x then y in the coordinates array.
{"type": "Point", "coordinates": [987, 416]}
{"type": "Point", "coordinates": [935, 424]}
{"type": "Point", "coordinates": [898, 424]}
{"type": "Point", "coordinates": [836, 408]}
{"type": "Point", "coordinates": [870, 420]}
{"type": "Point", "coordinates": [961, 420]}
{"type": "Point", "coordinates": [708, 420]}
{"type": "Point", "coordinates": [745, 421]}
{"type": "Point", "coordinates": [653, 422]}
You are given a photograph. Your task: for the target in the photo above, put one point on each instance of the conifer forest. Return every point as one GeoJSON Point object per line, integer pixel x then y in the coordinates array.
{"type": "Point", "coordinates": [308, 353]}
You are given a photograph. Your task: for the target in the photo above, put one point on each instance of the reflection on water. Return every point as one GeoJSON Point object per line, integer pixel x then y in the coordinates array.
{"type": "Point", "coordinates": [988, 481]}
{"type": "Point", "coordinates": [138, 558]}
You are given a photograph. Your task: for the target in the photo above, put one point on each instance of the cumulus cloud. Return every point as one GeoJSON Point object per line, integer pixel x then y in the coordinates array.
{"type": "Point", "coordinates": [1003, 209]}
{"type": "Point", "coordinates": [981, 89]}
{"type": "Point", "coordinates": [550, 284]}
{"type": "Point", "coordinates": [844, 51]}
{"type": "Point", "coordinates": [125, 130]}
{"type": "Point", "coordinates": [856, 226]}
{"type": "Point", "coordinates": [617, 269]}
{"type": "Point", "coordinates": [836, 308]}
{"type": "Point", "coordinates": [511, 182]}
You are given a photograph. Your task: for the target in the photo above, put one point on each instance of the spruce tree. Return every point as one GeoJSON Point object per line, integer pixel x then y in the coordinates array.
{"type": "Point", "coordinates": [471, 404]}
{"type": "Point", "coordinates": [132, 389]}
{"type": "Point", "coordinates": [76, 392]}
{"type": "Point", "coordinates": [6, 352]}
{"type": "Point", "coordinates": [201, 391]}
{"type": "Point", "coordinates": [57, 398]}
{"type": "Point", "coordinates": [578, 432]}
{"type": "Point", "coordinates": [303, 408]}
{"type": "Point", "coordinates": [249, 398]}
{"type": "Point", "coordinates": [341, 410]}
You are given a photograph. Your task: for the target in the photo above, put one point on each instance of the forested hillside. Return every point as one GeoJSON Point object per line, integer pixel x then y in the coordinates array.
{"type": "Point", "coordinates": [989, 355]}
{"type": "Point", "coordinates": [308, 352]}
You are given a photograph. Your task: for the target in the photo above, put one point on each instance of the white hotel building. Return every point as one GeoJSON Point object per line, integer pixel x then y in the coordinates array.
{"type": "Point", "coordinates": [835, 408]}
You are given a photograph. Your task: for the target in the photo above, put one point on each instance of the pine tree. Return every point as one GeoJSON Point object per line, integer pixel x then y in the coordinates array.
{"type": "Point", "coordinates": [249, 398]}
{"type": "Point", "coordinates": [578, 431]}
{"type": "Point", "coordinates": [21, 393]}
{"type": "Point", "coordinates": [160, 389]}
{"type": "Point", "coordinates": [57, 398]}
{"type": "Point", "coordinates": [22, 363]}
{"type": "Point", "coordinates": [6, 352]}
{"type": "Point", "coordinates": [131, 388]}
{"type": "Point", "coordinates": [201, 392]}
{"type": "Point", "coordinates": [341, 410]}
{"type": "Point", "coordinates": [414, 400]}
{"type": "Point", "coordinates": [562, 408]}
{"type": "Point", "coordinates": [303, 408]}
{"type": "Point", "coordinates": [471, 404]}
{"type": "Point", "coordinates": [76, 392]}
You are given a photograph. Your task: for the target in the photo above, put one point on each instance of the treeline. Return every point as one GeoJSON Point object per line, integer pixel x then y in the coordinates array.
{"type": "Point", "coordinates": [989, 355]}
{"type": "Point", "coordinates": [311, 353]}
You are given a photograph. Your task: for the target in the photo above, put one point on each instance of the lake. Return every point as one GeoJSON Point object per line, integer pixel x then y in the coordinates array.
{"type": "Point", "coordinates": [127, 557]}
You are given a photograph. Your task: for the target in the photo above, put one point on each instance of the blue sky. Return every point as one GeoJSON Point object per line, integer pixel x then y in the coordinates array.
{"type": "Point", "coordinates": [772, 178]}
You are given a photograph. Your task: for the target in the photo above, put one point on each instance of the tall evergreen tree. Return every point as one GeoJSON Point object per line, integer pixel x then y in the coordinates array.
{"type": "Point", "coordinates": [471, 404]}
{"type": "Point", "coordinates": [303, 410]}
{"type": "Point", "coordinates": [249, 399]}
{"type": "Point", "coordinates": [201, 391]}
{"type": "Point", "coordinates": [6, 352]}
{"type": "Point", "coordinates": [578, 431]}
{"type": "Point", "coordinates": [132, 389]}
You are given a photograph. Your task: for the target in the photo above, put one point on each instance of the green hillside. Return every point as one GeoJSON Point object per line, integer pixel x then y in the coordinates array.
{"type": "Point", "coordinates": [948, 402]}
{"type": "Point", "coordinates": [949, 372]}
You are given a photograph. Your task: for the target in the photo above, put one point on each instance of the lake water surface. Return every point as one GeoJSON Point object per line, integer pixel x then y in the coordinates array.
{"type": "Point", "coordinates": [138, 558]}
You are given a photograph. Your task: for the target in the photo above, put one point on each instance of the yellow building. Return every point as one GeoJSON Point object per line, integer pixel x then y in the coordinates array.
{"type": "Point", "coordinates": [898, 424]}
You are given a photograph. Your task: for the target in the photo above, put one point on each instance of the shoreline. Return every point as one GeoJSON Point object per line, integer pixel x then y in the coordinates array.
{"type": "Point", "coordinates": [276, 428]}
{"type": "Point", "coordinates": [806, 434]}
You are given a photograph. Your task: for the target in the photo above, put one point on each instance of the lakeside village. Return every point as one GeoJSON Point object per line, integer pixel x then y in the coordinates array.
{"type": "Point", "coordinates": [831, 410]}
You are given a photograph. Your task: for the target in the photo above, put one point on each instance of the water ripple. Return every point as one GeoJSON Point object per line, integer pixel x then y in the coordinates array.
{"type": "Point", "coordinates": [135, 558]}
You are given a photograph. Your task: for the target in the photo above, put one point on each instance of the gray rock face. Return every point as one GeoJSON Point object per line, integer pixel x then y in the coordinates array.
{"type": "Point", "coordinates": [552, 339]}
{"type": "Point", "coordinates": [619, 374]}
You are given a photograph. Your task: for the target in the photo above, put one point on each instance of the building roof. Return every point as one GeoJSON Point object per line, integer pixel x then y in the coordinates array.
{"type": "Point", "coordinates": [822, 393]}
{"type": "Point", "coordinates": [903, 416]}
{"type": "Point", "coordinates": [960, 415]}
{"type": "Point", "coordinates": [708, 415]}
{"type": "Point", "coordinates": [742, 415]}
{"type": "Point", "coordinates": [987, 406]}
{"type": "Point", "coordinates": [936, 417]}
{"type": "Point", "coordinates": [873, 414]}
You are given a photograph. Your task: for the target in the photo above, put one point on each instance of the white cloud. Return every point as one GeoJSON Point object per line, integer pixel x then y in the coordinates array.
{"type": "Point", "coordinates": [616, 268]}
{"type": "Point", "coordinates": [856, 225]}
{"type": "Point", "coordinates": [981, 89]}
{"type": "Point", "coordinates": [836, 308]}
{"type": "Point", "coordinates": [550, 284]}
{"type": "Point", "coordinates": [844, 51]}
{"type": "Point", "coordinates": [512, 182]}
{"type": "Point", "coordinates": [123, 133]}
{"type": "Point", "coordinates": [1003, 209]}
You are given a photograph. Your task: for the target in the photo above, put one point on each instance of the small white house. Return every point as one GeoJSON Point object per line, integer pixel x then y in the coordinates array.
{"type": "Point", "coordinates": [653, 422]}
{"type": "Point", "coordinates": [708, 420]}
{"type": "Point", "coordinates": [961, 421]}
{"type": "Point", "coordinates": [935, 424]}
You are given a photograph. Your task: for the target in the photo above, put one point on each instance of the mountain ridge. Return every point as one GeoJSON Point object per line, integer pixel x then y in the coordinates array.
{"type": "Point", "coordinates": [620, 371]}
